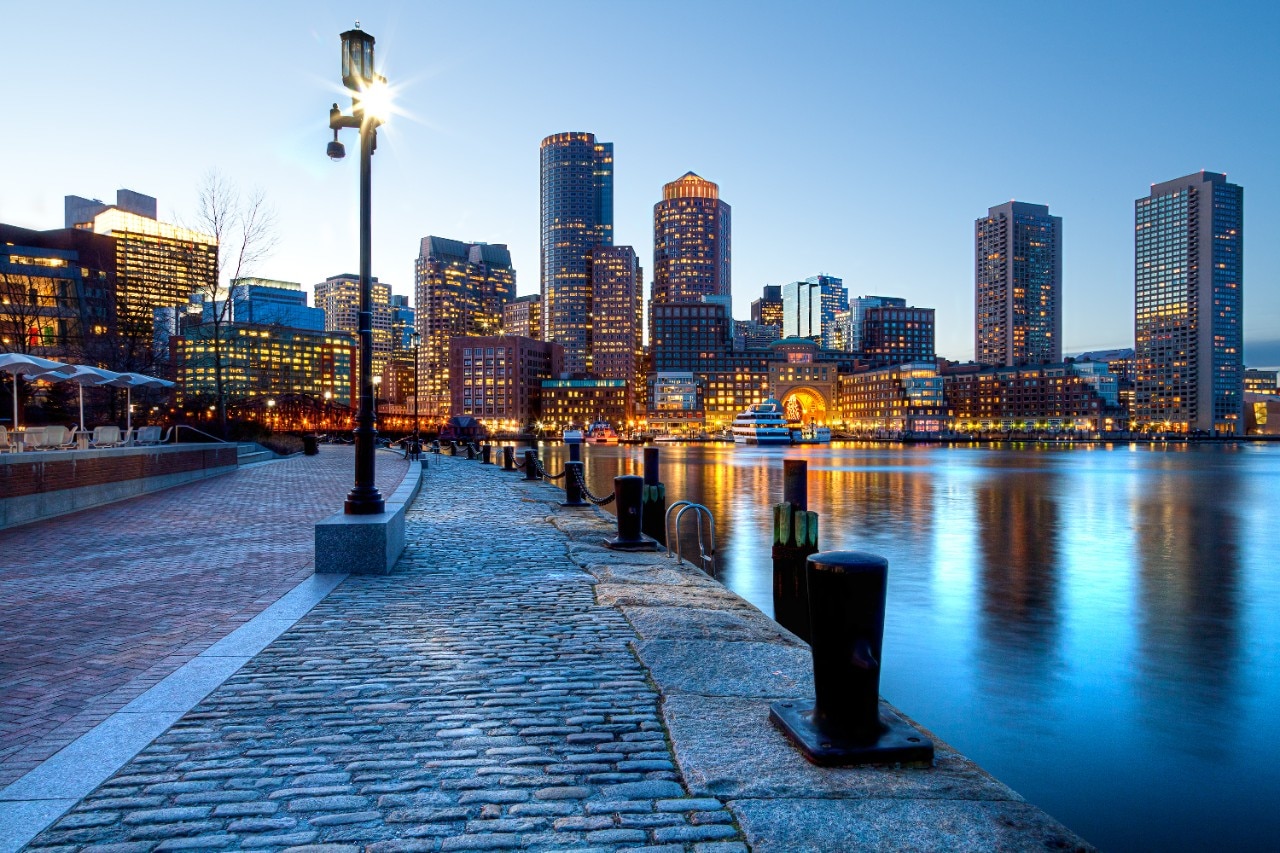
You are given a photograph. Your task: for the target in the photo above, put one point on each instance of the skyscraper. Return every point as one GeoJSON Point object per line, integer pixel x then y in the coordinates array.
{"type": "Point", "coordinates": [767, 310]}
{"type": "Point", "coordinates": [691, 235]}
{"type": "Point", "coordinates": [1018, 285]}
{"type": "Point", "coordinates": [461, 290]}
{"type": "Point", "coordinates": [893, 335]}
{"type": "Point", "coordinates": [617, 298]}
{"type": "Point", "coordinates": [576, 216]}
{"type": "Point", "coordinates": [809, 309]}
{"type": "Point", "coordinates": [1188, 285]}
{"type": "Point", "coordinates": [339, 297]}
{"type": "Point", "coordinates": [858, 307]}
{"type": "Point", "coordinates": [523, 317]}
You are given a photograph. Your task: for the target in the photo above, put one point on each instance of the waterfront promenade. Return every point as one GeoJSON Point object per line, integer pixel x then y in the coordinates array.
{"type": "Point", "coordinates": [513, 685]}
{"type": "Point", "coordinates": [100, 605]}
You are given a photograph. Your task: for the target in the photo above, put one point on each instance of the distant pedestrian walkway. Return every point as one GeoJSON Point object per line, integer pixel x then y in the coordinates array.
{"type": "Point", "coordinates": [98, 606]}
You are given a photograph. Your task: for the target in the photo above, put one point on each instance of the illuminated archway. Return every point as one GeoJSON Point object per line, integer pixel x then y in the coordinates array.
{"type": "Point", "coordinates": [805, 406]}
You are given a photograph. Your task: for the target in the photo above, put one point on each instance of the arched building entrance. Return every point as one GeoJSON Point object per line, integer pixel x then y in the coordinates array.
{"type": "Point", "coordinates": [804, 406]}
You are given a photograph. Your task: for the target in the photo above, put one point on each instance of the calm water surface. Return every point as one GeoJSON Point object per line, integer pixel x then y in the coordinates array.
{"type": "Point", "coordinates": [1099, 627]}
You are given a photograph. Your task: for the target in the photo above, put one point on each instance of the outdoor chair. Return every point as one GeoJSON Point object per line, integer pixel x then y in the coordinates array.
{"type": "Point", "coordinates": [32, 438]}
{"type": "Point", "coordinates": [56, 438]}
{"type": "Point", "coordinates": [106, 436]}
{"type": "Point", "coordinates": [148, 435]}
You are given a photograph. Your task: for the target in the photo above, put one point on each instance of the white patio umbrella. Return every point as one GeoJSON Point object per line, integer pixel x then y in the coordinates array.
{"type": "Point", "coordinates": [30, 365]}
{"type": "Point", "coordinates": [82, 375]}
{"type": "Point", "coordinates": [129, 381]}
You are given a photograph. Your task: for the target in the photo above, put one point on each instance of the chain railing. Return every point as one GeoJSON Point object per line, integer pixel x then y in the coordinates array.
{"type": "Point", "coordinates": [542, 472]}
{"type": "Point", "coordinates": [586, 493]}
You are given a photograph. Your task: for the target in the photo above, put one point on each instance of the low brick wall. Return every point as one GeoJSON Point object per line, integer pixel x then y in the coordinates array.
{"type": "Point", "coordinates": [38, 485]}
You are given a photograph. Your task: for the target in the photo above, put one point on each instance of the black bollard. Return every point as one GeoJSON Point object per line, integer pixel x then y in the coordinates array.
{"type": "Point", "coordinates": [471, 451]}
{"type": "Point", "coordinates": [531, 464]}
{"type": "Point", "coordinates": [575, 451]}
{"type": "Point", "coordinates": [655, 498]}
{"type": "Point", "coordinates": [486, 454]}
{"type": "Point", "coordinates": [508, 458]}
{"type": "Point", "coordinates": [795, 537]}
{"type": "Point", "coordinates": [845, 724]}
{"type": "Point", "coordinates": [628, 491]}
{"type": "Point", "coordinates": [572, 491]}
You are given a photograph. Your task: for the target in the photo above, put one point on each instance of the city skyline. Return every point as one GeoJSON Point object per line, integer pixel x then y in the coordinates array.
{"type": "Point", "coordinates": [846, 202]}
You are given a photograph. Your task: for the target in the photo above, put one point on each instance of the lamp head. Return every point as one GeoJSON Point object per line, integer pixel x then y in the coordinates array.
{"type": "Point", "coordinates": [335, 150]}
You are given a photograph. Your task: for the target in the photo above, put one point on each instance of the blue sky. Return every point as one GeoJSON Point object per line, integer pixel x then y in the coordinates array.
{"type": "Point", "coordinates": [857, 140]}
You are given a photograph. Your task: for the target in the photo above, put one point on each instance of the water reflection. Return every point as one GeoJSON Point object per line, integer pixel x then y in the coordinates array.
{"type": "Point", "coordinates": [1098, 627]}
{"type": "Point", "coordinates": [1188, 577]}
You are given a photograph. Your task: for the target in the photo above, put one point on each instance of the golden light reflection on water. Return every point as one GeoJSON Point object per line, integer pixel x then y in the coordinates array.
{"type": "Point", "coordinates": [1074, 618]}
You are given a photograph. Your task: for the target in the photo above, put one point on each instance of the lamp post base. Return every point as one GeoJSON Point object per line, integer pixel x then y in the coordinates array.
{"type": "Point", "coordinates": [364, 502]}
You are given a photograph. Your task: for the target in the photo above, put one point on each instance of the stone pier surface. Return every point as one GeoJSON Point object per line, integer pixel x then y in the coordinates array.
{"type": "Point", "coordinates": [513, 685]}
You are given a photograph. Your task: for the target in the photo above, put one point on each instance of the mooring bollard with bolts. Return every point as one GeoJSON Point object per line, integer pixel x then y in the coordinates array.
{"type": "Point", "coordinates": [508, 458]}
{"type": "Point", "coordinates": [628, 494]}
{"type": "Point", "coordinates": [655, 498]}
{"type": "Point", "coordinates": [531, 464]}
{"type": "Point", "coordinates": [845, 723]}
{"type": "Point", "coordinates": [572, 490]}
{"type": "Point", "coordinates": [795, 537]}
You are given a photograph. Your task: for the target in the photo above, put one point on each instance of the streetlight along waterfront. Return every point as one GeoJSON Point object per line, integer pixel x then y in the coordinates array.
{"type": "Point", "coordinates": [369, 107]}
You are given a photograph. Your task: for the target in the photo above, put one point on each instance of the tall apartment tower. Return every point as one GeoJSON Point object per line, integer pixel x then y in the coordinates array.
{"type": "Point", "coordinates": [617, 297]}
{"type": "Point", "coordinates": [691, 235]}
{"type": "Point", "coordinates": [1018, 286]}
{"type": "Point", "coordinates": [1188, 287]}
{"type": "Point", "coordinates": [339, 297]}
{"type": "Point", "coordinates": [576, 216]}
{"type": "Point", "coordinates": [461, 290]}
{"type": "Point", "coordinates": [858, 308]}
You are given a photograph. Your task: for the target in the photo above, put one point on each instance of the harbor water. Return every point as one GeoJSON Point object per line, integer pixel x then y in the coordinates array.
{"type": "Point", "coordinates": [1096, 625]}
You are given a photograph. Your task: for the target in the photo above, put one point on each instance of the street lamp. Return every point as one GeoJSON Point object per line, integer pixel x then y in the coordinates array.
{"type": "Point", "coordinates": [368, 90]}
{"type": "Point", "coordinates": [415, 340]}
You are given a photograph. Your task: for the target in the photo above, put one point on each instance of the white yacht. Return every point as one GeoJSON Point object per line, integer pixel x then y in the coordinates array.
{"type": "Point", "coordinates": [763, 423]}
{"type": "Point", "coordinates": [572, 435]}
{"type": "Point", "coordinates": [811, 434]}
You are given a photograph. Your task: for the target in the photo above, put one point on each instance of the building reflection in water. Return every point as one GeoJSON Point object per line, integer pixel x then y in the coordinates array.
{"type": "Point", "coordinates": [1188, 588]}
{"type": "Point", "coordinates": [1018, 574]}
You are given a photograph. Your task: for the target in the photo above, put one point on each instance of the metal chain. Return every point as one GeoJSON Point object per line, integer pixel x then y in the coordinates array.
{"type": "Point", "coordinates": [542, 472]}
{"type": "Point", "coordinates": [587, 492]}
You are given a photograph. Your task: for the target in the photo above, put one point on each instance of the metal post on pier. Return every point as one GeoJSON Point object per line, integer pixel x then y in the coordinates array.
{"type": "Point", "coordinates": [508, 458]}
{"type": "Point", "coordinates": [628, 493]}
{"type": "Point", "coordinates": [575, 451]}
{"type": "Point", "coordinates": [845, 723]}
{"type": "Point", "coordinates": [486, 454]}
{"type": "Point", "coordinates": [795, 537]}
{"type": "Point", "coordinates": [655, 498]}
{"type": "Point", "coordinates": [573, 480]}
{"type": "Point", "coordinates": [531, 464]}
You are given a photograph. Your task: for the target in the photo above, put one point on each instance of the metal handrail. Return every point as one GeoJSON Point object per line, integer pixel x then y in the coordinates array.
{"type": "Point", "coordinates": [178, 427]}
{"type": "Point", "coordinates": [705, 557]}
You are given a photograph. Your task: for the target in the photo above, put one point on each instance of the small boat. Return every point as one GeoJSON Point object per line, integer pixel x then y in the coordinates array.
{"type": "Point", "coordinates": [601, 433]}
{"type": "Point", "coordinates": [572, 435]}
{"type": "Point", "coordinates": [763, 423]}
{"type": "Point", "coordinates": [811, 434]}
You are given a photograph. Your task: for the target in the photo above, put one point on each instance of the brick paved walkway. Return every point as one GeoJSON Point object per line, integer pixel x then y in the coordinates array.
{"type": "Point", "coordinates": [477, 699]}
{"type": "Point", "coordinates": [97, 606]}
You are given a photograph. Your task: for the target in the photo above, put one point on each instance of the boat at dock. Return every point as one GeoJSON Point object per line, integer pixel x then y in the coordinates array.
{"type": "Point", "coordinates": [811, 434]}
{"type": "Point", "coordinates": [763, 423]}
{"type": "Point", "coordinates": [601, 433]}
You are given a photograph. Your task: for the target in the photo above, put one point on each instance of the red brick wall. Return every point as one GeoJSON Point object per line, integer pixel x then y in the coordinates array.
{"type": "Point", "coordinates": [34, 473]}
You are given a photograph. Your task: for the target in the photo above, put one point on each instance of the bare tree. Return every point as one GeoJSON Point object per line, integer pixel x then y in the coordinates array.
{"type": "Point", "coordinates": [245, 228]}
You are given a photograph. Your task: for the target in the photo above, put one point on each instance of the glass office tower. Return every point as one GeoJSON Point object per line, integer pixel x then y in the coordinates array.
{"type": "Point", "coordinates": [1188, 288]}
{"type": "Point", "coordinates": [576, 216]}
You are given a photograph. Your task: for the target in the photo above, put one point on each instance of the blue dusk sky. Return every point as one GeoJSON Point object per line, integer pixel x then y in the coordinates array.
{"type": "Point", "coordinates": [854, 139]}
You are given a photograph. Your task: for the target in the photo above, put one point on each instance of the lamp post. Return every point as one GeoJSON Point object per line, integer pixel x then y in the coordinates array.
{"type": "Point", "coordinates": [367, 88]}
{"type": "Point", "coordinates": [415, 340]}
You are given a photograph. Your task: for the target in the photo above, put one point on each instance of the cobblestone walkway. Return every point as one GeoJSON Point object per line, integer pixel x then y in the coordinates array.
{"type": "Point", "coordinates": [99, 605]}
{"type": "Point", "coordinates": [477, 699]}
